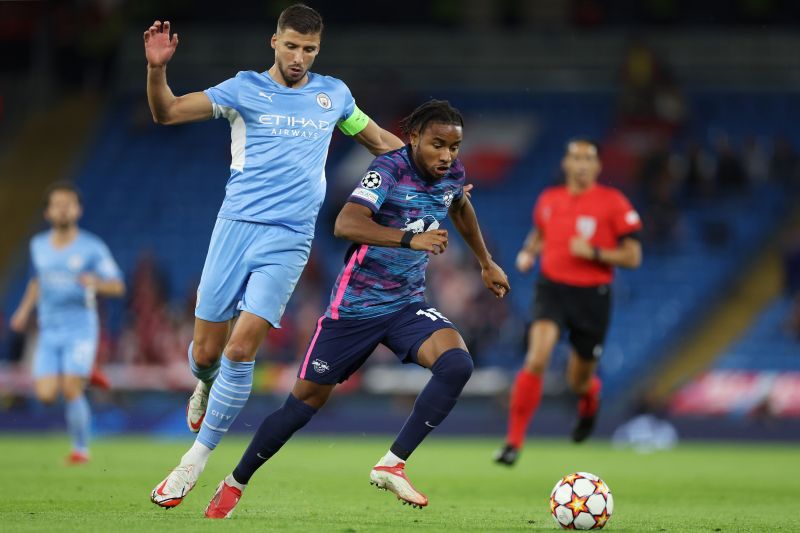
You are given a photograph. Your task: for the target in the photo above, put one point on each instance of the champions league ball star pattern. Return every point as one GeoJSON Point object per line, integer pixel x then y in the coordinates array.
{"type": "Point", "coordinates": [581, 501]}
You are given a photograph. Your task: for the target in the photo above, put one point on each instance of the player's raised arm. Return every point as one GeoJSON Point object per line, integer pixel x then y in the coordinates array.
{"type": "Point", "coordinates": [19, 320]}
{"type": "Point", "coordinates": [377, 140]}
{"type": "Point", "coordinates": [466, 222]}
{"type": "Point", "coordinates": [355, 223]}
{"type": "Point", "coordinates": [166, 108]}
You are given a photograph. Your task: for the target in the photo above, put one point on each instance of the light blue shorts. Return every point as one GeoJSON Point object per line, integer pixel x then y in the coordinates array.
{"type": "Point", "coordinates": [62, 355]}
{"type": "Point", "coordinates": [250, 267]}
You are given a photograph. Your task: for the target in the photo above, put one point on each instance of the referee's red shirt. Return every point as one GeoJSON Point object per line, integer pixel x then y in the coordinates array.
{"type": "Point", "coordinates": [600, 214]}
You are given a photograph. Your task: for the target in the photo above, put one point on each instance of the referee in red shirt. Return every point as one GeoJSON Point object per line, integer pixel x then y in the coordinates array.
{"type": "Point", "coordinates": [582, 230]}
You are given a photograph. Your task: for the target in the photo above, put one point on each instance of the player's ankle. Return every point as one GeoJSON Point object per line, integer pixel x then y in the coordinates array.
{"type": "Point", "coordinates": [390, 459]}
{"type": "Point", "coordinates": [197, 455]}
{"type": "Point", "coordinates": [231, 482]}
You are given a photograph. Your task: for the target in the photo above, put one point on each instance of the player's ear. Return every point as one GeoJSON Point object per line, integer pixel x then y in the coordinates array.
{"type": "Point", "coordinates": [413, 138]}
{"type": "Point", "coordinates": [273, 41]}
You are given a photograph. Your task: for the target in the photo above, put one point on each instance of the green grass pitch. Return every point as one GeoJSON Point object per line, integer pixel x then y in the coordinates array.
{"type": "Point", "coordinates": [320, 483]}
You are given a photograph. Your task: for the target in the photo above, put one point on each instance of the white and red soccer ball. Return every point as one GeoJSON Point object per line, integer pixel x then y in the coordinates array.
{"type": "Point", "coordinates": [581, 501]}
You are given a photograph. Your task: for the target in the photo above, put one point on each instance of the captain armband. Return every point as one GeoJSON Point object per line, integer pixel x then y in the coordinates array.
{"type": "Point", "coordinates": [355, 123]}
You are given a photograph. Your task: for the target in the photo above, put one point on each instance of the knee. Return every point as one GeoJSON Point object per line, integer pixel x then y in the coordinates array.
{"type": "Point", "coordinates": [454, 365]}
{"type": "Point", "coordinates": [47, 397]}
{"type": "Point", "coordinates": [206, 353]}
{"type": "Point", "coordinates": [72, 393]}
{"type": "Point", "coordinates": [240, 352]}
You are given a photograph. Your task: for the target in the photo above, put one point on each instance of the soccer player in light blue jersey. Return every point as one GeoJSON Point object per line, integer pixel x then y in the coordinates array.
{"type": "Point", "coordinates": [281, 125]}
{"type": "Point", "coordinates": [72, 267]}
{"type": "Point", "coordinates": [394, 221]}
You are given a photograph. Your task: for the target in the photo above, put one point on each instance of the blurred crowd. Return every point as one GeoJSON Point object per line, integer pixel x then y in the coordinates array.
{"type": "Point", "coordinates": [650, 151]}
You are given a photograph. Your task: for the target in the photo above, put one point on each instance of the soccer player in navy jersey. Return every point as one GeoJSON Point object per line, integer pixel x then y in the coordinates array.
{"type": "Point", "coordinates": [71, 267]}
{"type": "Point", "coordinates": [281, 124]}
{"type": "Point", "coordinates": [394, 220]}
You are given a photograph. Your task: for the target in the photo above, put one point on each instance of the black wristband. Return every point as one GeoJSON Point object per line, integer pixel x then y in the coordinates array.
{"type": "Point", "coordinates": [405, 241]}
{"type": "Point", "coordinates": [596, 253]}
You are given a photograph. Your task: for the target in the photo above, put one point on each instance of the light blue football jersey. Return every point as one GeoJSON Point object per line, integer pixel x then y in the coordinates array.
{"type": "Point", "coordinates": [65, 306]}
{"type": "Point", "coordinates": [279, 145]}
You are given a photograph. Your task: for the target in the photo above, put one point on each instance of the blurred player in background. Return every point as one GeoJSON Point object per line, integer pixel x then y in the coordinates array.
{"type": "Point", "coordinates": [281, 125]}
{"type": "Point", "coordinates": [71, 267]}
{"type": "Point", "coordinates": [581, 230]}
{"type": "Point", "coordinates": [394, 219]}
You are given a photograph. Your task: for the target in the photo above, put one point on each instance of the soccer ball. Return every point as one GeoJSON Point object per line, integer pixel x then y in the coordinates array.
{"type": "Point", "coordinates": [581, 501]}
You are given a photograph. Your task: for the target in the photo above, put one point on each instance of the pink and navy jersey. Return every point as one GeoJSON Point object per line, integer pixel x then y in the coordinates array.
{"type": "Point", "coordinates": [378, 280]}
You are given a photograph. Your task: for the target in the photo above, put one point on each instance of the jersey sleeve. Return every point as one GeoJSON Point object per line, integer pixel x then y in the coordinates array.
{"type": "Point", "coordinates": [32, 270]}
{"type": "Point", "coordinates": [624, 218]}
{"type": "Point", "coordinates": [375, 185]}
{"type": "Point", "coordinates": [224, 96]}
{"type": "Point", "coordinates": [537, 215]}
{"type": "Point", "coordinates": [460, 175]}
{"type": "Point", "coordinates": [104, 264]}
{"type": "Point", "coordinates": [352, 120]}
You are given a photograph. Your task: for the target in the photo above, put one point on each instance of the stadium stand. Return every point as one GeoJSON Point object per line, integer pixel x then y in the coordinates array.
{"type": "Point", "coordinates": [157, 189]}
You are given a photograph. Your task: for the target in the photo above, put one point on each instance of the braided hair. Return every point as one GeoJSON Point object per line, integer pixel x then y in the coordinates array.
{"type": "Point", "coordinates": [439, 111]}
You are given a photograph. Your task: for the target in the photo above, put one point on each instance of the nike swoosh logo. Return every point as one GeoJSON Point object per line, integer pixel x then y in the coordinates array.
{"type": "Point", "coordinates": [261, 456]}
{"type": "Point", "coordinates": [160, 489]}
{"type": "Point", "coordinates": [411, 196]}
{"type": "Point", "coordinates": [199, 423]}
{"type": "Point", "coordinates": [429, 425]}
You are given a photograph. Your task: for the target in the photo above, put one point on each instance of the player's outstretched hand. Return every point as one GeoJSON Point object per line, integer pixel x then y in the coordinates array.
{"type": "Point", "coordinates": [158, 45]}
{"type": "Point", "coordinates": [525, 261]}
{"type": "Point", "coordinates": [434, 241]}
{"type": "Point", "coordinates": [495, 279]}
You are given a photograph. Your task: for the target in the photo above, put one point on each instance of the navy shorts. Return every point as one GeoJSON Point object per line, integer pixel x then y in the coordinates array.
{"type": "Point", "coordinates": [339, 347]}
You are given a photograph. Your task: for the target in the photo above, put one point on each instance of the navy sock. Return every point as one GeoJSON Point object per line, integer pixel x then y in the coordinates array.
{"type": "Point", "coordinates": [450, 373]}
{"type": "Point", "coordinates": [273, 433]}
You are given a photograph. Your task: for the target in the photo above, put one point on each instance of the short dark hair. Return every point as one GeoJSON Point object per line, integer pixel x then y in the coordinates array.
{"type": "Point", "coordinates": [61, 186]}
{"type": "Point", "coordinates": [300, 18]}
{"type": "Point", "coordinates": [439, 111]}
{"type": "Point", "coordinates": [584, 140]}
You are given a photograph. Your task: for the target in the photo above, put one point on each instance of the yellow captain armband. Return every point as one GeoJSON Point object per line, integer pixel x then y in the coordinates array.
{"type": "Point", "coordinates": [355, 123]}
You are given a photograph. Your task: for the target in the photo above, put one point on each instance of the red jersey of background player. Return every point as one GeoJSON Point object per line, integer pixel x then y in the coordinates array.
{"type": "Point", "coordinates": [602, 215]}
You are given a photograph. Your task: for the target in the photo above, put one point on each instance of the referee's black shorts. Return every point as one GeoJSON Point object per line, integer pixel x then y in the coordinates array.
{"type": "Point", "coordinates": [583, 311]}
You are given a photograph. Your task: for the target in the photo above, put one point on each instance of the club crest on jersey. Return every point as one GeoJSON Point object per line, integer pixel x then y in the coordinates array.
{"type": "Point", "coordinates": [324, 101]}
{"type": "Point", "coordinates": [320, 366]}
{"type": "Point", "coordinates": [586, 226]}
{"type": "Point", "coordinates": [448, 198]}
{"type": "Point", "coordinates": [75, 263]}
{"type": "Point", "coordinates": [371, 180]}
{"type": "Point", "coordinates": [421, 225]}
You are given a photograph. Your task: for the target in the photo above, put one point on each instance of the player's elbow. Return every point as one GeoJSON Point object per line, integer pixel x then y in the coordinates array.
{"type": "Point", "coordinates": [341, 227]}
{"type": "Point", "coordinates": [163, 115]}
{"type": "Point", "coordinates": [164, 119]}
{"type": "Point", "coordinates": [635, 259]}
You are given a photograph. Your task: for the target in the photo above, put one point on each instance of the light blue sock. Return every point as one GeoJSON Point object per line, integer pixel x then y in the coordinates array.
{"type": "Point", "coordinates": [208, 375]}
{"type": "Point", "coordinates": [228, 395]}
{"type": "Point", "coordinates": [79, 421]}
